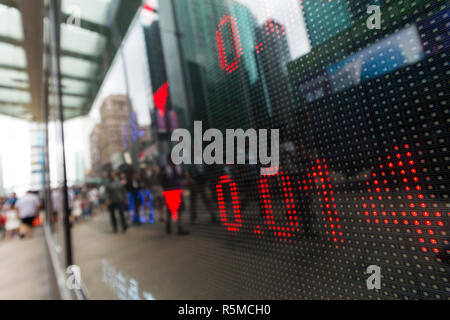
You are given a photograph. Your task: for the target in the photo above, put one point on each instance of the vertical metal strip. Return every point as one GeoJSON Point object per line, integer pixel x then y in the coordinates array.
{"type": "Point", "coordinates": [55, 14]}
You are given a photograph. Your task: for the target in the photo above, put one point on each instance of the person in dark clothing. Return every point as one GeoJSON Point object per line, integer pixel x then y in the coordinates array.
{"type": "Point", "coordinates": [197, 178]}
{"type": "Point", "coordinates": [171, 181]}
{"type": "Point", "coordinates": [157, 191]}
{"type": "Point", "coordinates": [12, 199]}
{"type": "Point", "coordinates": [134, 187]}
{"type": "Point", "coordinates": [146, 196]}
{"type": "Point", "coordinates": [116, 198]}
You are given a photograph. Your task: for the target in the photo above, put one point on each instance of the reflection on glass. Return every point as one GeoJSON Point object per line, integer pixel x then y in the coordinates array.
{"type": "Point", "coordinates": [361, 181]}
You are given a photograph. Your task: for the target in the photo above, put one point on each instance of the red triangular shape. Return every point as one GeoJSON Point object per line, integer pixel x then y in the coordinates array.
{"type": "Point", "coordinates": [173, 201]}
{"type": "Point", "coordinates": [160, 98]}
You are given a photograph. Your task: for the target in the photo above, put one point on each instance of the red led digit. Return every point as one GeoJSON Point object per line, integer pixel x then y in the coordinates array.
{"type": "Point", "coordinates": [274, 28]}
{"type": "Point", "coordinates": [259, 47]}
{"type": "Point", "coordinates": [292, 226]}
{"type": "Point", "coordinates": [223, 60]}
{"type": "Point", "coordinates": [415, 214]}
{"type": "Point", "coordinates": [319, 181]}
{"type": "Point", "coordinates": [237, 224]}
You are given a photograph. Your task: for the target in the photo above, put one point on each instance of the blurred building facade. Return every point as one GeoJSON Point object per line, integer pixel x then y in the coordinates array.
{"type": "Point", "coordinates": [115, 134]}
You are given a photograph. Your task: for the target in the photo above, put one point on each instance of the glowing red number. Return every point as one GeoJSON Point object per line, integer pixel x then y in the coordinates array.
{"type": "Point", "coordinates": [274, 28]}
{"type": "Point", "coordinates": [231, 226]}
{"type": "Point", "coordinates": [318, 180]}
{"type": "Point", "coordinates": [280, 231]}
{"type": "Point", "coordinates": [223, 60]}
{"type": "Point", "coordinates": [416, 215]}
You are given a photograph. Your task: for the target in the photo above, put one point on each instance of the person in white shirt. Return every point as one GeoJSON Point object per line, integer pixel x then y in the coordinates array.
{"type": "Point", "coordinates": [12, 224]}
{"type": "Point", "coordinates": [93, 196]}
{"type": "Point", "coordinates": [28, 207]}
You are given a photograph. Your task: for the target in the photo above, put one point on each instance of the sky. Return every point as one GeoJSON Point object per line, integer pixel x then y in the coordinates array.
{"type": "Point", "coordinates": [15, 152]}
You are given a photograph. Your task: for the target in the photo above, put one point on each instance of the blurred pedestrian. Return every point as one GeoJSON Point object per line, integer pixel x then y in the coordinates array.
{"type": "Point", "coordinates": [135, 198]}
{"type": "Point", "coordinates": [157, 191]}
{"type": "Point", "coordinates": [146, 196]}
{"type": "Point", "coordinates": [85, 209]}
{"type": "Point", "coordinates": [12, 223]}
{"type": "Point", "coordinates": [198, 183]}
{"type": "Point", "coordinates": [93, 198]}
{"type": "Point", "coordinates": [12, 199]}
{"type": "Point", "coordinates": [171, 181]}
{"type": "Point", "coordinates": [56, 197]}
{"type": "Point", "coordinates": [2, 220]}
{"type": "Point", "coordinates": [28, 207]}
{"type": "Point", "coordinates": [77, 208]}
{"type": "Point", "coordinates": [102, 198]}
{"type": "Point", "coordinates": [116, 198]}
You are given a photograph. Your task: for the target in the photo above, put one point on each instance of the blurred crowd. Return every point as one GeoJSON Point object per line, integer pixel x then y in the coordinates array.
{"type": "Point", "coordinates": [18, 216]}
{"type": "Point", "coordinates": [147, 195]}
{"type": "Point", "coordinates": [167, 194]}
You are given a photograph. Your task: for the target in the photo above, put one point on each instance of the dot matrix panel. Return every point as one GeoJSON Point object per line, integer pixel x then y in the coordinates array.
{"type": "Point", "coordinates": [364, 163]}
